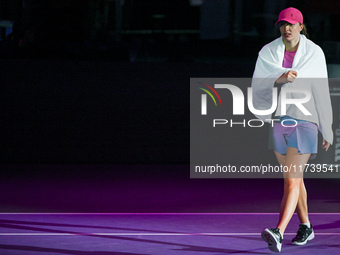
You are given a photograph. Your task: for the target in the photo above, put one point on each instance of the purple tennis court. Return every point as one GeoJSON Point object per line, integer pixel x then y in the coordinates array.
{"type": "Point", "coordinates": [150, 213]}
{"type": "Point", "coordinates": [159, 233]}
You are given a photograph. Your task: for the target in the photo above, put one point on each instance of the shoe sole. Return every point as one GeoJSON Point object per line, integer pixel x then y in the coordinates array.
{"type": "Point", "coordinates": [311, 237]}
{"type": "Point", "coordinates": [270, 238]}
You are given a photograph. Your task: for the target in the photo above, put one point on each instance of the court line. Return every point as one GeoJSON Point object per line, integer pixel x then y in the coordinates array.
{"type": "Point", "coordinates": [23, 213]}
{"type": "Point", "coordinates": [149, 234]}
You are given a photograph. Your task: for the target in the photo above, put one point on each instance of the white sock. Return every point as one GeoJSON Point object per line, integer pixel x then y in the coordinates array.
{"type": "Point", "coordinates": [306, 224]}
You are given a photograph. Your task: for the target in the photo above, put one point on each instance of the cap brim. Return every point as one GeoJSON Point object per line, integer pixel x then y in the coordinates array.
{"type": "Point", "coordinates": [291, 21]}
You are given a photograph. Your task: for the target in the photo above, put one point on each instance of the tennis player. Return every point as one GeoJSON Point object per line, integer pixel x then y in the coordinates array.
{"type": "Point", "coordinates": [293, 61]}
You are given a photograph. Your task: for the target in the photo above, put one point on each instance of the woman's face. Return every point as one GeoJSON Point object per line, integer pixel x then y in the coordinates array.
{"type": "Point", "coordinates": [290, 32]}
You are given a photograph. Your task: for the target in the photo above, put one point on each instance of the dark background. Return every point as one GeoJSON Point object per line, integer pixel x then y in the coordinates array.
{"type": "Point", "coordinates": [107, 82]}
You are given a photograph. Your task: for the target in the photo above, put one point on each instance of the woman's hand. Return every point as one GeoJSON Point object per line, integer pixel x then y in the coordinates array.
{"type": "Point", "coordinates": [325, 145]}
{"type": "Point", "coordinates": [287, 77]}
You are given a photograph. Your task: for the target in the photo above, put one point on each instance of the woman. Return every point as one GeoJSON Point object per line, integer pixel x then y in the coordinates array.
{"type": "Point", "coordinates": [293, 62]}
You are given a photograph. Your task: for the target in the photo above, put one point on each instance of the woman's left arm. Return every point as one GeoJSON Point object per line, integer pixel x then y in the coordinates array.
{"type": "Point", "coordinates": [320, 90]}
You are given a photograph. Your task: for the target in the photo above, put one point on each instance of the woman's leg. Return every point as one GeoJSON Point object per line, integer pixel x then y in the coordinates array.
{"type": "Point", "coordinates": [302, 208]}
{"type": "Point", "coordinates": [280, 158]}
{"type": "Point", "coordinates": [292, 184]}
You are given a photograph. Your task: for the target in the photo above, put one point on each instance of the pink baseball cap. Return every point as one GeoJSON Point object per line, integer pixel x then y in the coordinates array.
{"type": "Point", "coordinates": [290, 15]}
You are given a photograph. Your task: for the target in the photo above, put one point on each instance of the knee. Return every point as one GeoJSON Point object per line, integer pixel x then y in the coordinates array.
{"type": "Point", "coordinates": [293, 183]}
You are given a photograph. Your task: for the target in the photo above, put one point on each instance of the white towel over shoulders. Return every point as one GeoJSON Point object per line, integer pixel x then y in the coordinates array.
{"type": "Point", "coordinates": [310, 64]}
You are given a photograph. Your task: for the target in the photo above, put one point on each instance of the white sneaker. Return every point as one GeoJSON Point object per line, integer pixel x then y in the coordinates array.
{"type": "Point", "coordinates": [303, 235]}
{"type": "Point", "coordinates": [273, 238]}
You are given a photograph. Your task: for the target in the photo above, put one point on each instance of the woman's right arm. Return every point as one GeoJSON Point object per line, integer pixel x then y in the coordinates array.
{"type": "Point", "coordinates": [286, 77]}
